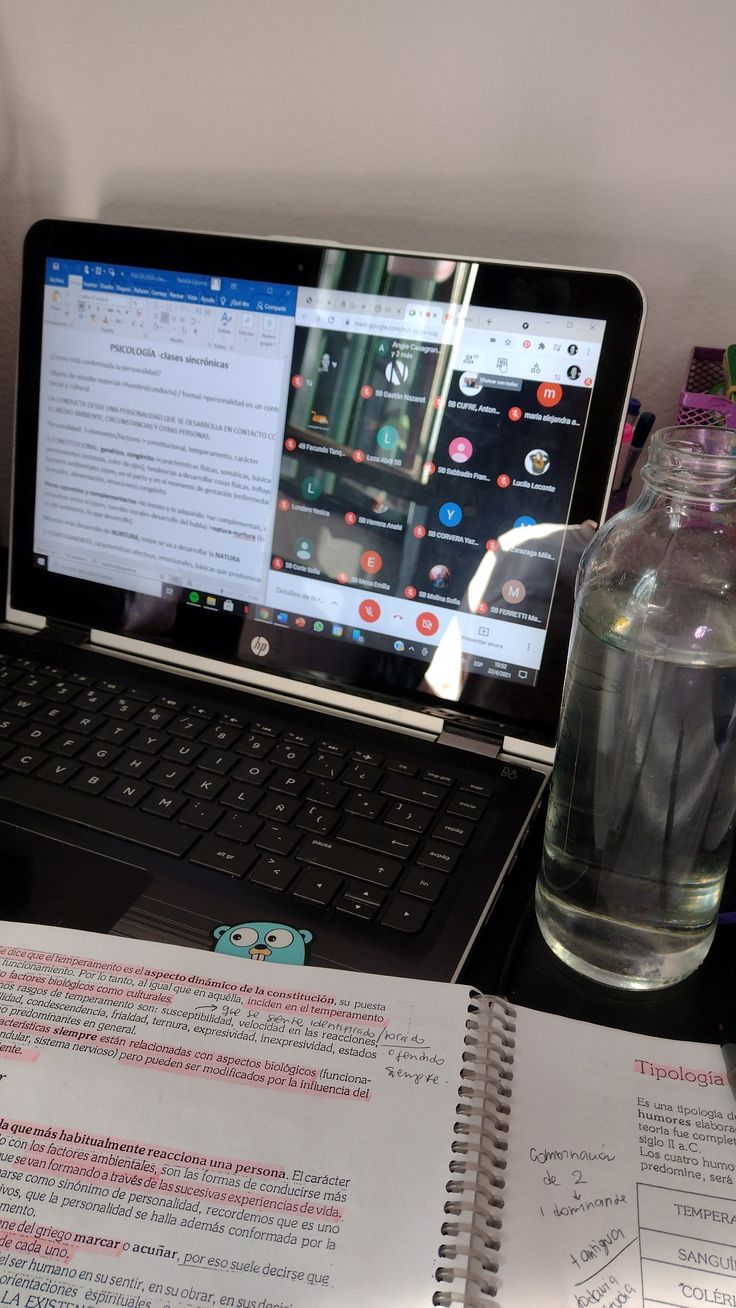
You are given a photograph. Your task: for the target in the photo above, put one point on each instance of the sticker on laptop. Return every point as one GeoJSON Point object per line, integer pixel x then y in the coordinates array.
{"type": "Point", "coordinates": [263, 942]}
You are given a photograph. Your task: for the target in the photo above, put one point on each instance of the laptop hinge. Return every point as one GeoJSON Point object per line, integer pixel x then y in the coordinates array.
{"type": "Point", "coordinates": [64, 633]}
{"type": "Point", "coordinates": [459, 737]}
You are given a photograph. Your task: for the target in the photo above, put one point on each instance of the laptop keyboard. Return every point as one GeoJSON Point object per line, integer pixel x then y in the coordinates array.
{"type": "Point", "coordinates": [374, 837]}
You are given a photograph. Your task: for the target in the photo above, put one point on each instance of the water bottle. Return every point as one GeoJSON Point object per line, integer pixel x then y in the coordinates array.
{"type": "Point", "coordinates": [640, 823]}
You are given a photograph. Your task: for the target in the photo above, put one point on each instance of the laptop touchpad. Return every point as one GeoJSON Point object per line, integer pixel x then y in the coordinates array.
{"type": "Point", "coordinates": [49, 881]}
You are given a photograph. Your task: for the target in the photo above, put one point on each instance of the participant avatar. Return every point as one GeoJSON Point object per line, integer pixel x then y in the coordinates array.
{"type": "Point", "coordinates": [387, 437]}
{"type": "Point", "coordinates": [450, 514]}
{"type": "Point", "coordinates": [460, 449]}
{"type": "Point", "coordinates": [469, 384]}
{"type": "Point", "coordinates": [439, 576]}
{"type": "Point", "coordinates": [396, 372]}
{"type": "Point", "coordinates": [537, 462]}
{"type": "Point", "coordinates": [574, 372]}
{"type": "Point", "coordinates": [513, 591]}
{"type": "Point", "coordinates": [304, 548]}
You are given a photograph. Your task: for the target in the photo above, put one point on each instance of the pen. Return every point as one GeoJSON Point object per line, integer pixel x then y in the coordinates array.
{"type": "Point", "coordinates": [638, 441]}
{"type": "Point", "coordinates": [728, 1049]}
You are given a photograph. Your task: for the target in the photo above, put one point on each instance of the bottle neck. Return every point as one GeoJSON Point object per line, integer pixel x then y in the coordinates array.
{"type": "Point", "coordinates": [696, 466]}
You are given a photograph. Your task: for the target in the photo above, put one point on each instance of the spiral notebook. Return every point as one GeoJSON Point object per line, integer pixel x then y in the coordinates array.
{"type": "Point", "coordinates": [176, 1126]}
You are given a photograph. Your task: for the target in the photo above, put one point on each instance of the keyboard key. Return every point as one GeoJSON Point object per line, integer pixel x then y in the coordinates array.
{"type": "Point", "coordinates": [85, 723]}
{"type": "Point", "coordinates": [274, 873]}
{"type": "Point", "coordinates": [92, 699]}
{"type": "Point", "coordinates": [363, 756]}
{"type": "Point", "coordinates": [317, 887]}
{"type": "Point", "coordinates": [357, 908]}
{"type": "Point", "coordinates": [297, 738]}
{"type": "Point", "coordinates": [90, 811]}
{"type": "Point", "coordinates": [223, 856]}
{"type": "Point", "coordinates": [318, 820]}
{"type": "Point", "coordinates": [441, 778]}
{"type": "Point", "coordinates": [221, 736]}
{"type": "Point", "coordinates": [202, 786]}
{"type": "Point", "coordinates": [405, 915]}
{"type": "Point", "coordinates": [122, 709]}
{"type": "Point", "coordinates": [170, 775]}
{"type": "Point", "coordinates": [182, 751]}
{"type": "Point", "coordinates": [369, 835]}
{"type": "Point", "coordinates": [332, 747]}
{"type": "Point", "coordinates": [186, 727]}
{"type": "Point", "coordinates": [54, 713]}
{"type": "Point", "coordinates": [368, 894]}
{"type": "Point", "coordinates": [134, 765]}
{"type": "Point", "coordinates": [362, 776]}
{"type": "Point", "coordinates": [423, 885]}
{"type": "Point", "coordinates": [288, 756]}
{"type": "Point", "coordinates": [288, 783]}
{"type": "Point", "coordinates": [67, 745]}
{"type": "Point", "coordinates": [163, 803]}
{"type": "Point", "coordinates": [426, 793]}
{"type": "Point", "coordinates": [278, 808]}
{"type": "Point", "coordinates": [243, 798]}
{"type": "Point", "coordinates": [482, 788]}
{"type": "Point", "coordinates": [456, 830]}
{"type": "Point", "coordinates": [127, 792]}
{"type": "Point", "coordinates": [401, 765]}
{"type": "Point", "coordinates": [409, 817]}
{"type": "Point", "coordinates": [467, 806]}
{"type": "Point", "coordinates": [238, 826]}
{"type": "Point", "coordinates": [146, 739]}
{"type": "Point", "coordinates": [327, 766]}
{"type": "Point", "coordinates": [9, 724]}
{"type": "Point", "coordinates": [255, 774]}
{"type": "Point", "coordinates": [154, 716]}
{"type": "Point", "coordinates": [368, 806]}
{"type": "Point", "coordinates": [93, 780]}
{"type": "Point", "coordinates": [61, 691]}
{"type": "Point", "coordinates": [218, 761]}
{"type": "Point", "coordinates": [439, 856]}
{"type": "Point", "coordinates": [23, 705]}
{"type": "Point", "coordinates": [57, 771]}
{"type": "Point", "coordinates": [201, 814]}
{"type": "Point", "coordinates": [330, 793]}
{"type": "Point", "coordinates": [24, 760]}
{"type": "Point", "coordinates": [255, 746]}
{"type": "Point", "coordinates": [118, 733]}
{"type": "Point", "coordinates": [99, 755]}
{"type": "Point", "coordinates": [35, 734]}
{"type": "Point", "coordinates": [277, 839]}
{"type": "Point", "coordinates": [356, 863]}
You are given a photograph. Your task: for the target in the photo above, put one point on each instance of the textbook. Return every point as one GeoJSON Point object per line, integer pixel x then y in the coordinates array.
{"type": "Point", "coordinates": [180, 1127]}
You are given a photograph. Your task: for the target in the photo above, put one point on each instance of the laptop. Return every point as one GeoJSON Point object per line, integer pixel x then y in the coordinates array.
{"type": "Point", "coordinates": [294, 537]}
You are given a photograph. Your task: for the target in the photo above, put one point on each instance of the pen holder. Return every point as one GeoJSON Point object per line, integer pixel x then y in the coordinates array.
{"type": "Point", "coordinates": [697, 406]}
{"type": "Point", "coordinates": [640, 822]}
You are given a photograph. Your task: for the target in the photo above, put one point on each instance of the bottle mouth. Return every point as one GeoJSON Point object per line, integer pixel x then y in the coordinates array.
{"type": "Point", "coordinates": [698, 463]}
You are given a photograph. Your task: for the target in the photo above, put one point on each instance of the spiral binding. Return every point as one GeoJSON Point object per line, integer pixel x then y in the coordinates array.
{"type": "Point", "coordinates": [469, 1269]}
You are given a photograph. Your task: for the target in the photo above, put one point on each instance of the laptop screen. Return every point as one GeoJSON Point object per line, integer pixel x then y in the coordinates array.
{"type": "Point", "coordinates": [359, 465]}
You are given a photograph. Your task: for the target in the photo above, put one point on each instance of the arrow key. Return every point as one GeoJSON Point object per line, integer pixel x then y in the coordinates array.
{"type": "Point", "coordinates": [317, 886]}
{"type": "Point", "coordinates": [405, 915]}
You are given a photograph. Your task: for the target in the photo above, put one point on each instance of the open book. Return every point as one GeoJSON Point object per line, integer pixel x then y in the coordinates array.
{"type": "Point", "coordinates": [181, 1128]}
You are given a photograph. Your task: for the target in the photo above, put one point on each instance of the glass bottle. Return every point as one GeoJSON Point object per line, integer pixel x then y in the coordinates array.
{"type": "Point", "coordinates": [640, 823]}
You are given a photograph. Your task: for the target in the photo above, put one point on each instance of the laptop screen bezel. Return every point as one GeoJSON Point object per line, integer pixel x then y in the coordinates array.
{"type": "Point", "coordinates": [498, 707]}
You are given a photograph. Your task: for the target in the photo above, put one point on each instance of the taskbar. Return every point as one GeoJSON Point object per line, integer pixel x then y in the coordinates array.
{"type": "Point", "coordinates": [469, 663]}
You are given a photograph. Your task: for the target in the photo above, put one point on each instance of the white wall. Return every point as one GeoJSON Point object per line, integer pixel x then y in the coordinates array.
{"type": "Point", "coordinates": [557, 130]}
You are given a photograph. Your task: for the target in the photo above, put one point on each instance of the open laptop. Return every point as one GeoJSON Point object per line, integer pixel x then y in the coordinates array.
{"type": "Point", "coordinates": [294, 536]}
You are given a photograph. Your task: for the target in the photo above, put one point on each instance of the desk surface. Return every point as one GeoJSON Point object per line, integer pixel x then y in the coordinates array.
{"type": "Point", "coordinates": [512, 959]}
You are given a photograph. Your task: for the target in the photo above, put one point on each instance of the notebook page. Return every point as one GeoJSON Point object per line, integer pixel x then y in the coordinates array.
{"type": "Point", "coordinates": [621, 1187]}
{"type": "Point", "coordinates": [183, 1127]}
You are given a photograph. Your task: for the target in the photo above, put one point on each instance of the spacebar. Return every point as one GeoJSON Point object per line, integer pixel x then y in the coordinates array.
{"type": "Point", "coordinates": [127, 823]}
